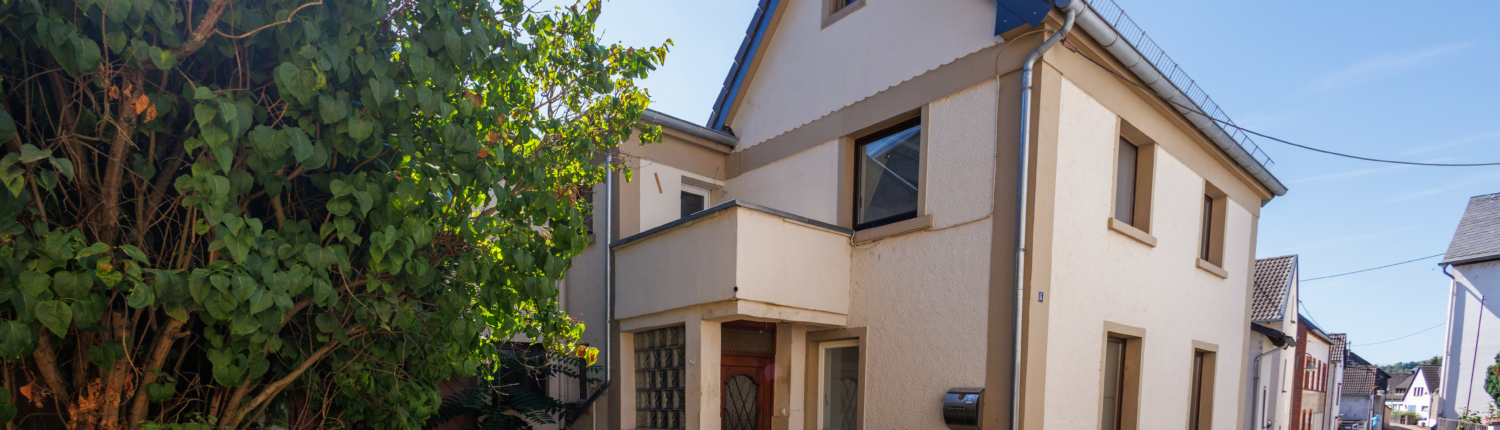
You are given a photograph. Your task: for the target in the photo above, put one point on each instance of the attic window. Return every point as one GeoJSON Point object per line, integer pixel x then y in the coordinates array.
{"type": "Point", "coordinates": [833, 10]}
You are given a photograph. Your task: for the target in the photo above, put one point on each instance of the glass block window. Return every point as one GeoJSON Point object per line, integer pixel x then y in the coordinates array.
{"type": "Point", "coordinates": [660, 394]}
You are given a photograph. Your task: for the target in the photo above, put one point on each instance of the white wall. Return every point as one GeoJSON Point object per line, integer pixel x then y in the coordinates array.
{"type": "Point", "coordinates": [1100, 275]}
{"type": "Point", "coordinates": [805, 184]}
{"type": "Point", "coordinates": [808, 71]}
{"type": "Point", "coordinates": [1476, 298]}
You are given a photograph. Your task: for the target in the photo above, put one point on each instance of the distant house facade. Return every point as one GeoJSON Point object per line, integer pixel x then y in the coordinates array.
{"type": "Point", "coordinates": [1272, 354]}
{"type": "Point", "coordinates": [1362, 395]}
{"type": "Point", "coordinates": [837, 248]}
{"type": "Point", "coordinates": [1417, 392]}
{"type": "Point", "coordinates": [1319, 372]}
{"type": "Point", "coordinates": [1473, 340]}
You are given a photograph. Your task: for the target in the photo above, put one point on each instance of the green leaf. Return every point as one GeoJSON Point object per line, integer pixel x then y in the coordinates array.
{"type": "Point", "coordinates": [143, 296]}
{"type": "Point", "coordinates": [340, 206]}
{"type": "Point", "coordinates": [205, 115]}
{"type": "Point", "coordinates": [33, 283]}
{"type": "Point", "coordinates": [95, 249]}
{"type": "Point", "coordinates": [244, 324]}
{"type": "Point", "coordinates": [7, 127]}
{"type": "Point", "coordinates": [326, 323]}
{"type": "Point", "coordinates": [330, 109]}
{"type": "Point", "coordinates": [360, 129]}
{"type": "Point", "coordinates": [202, 93]}
{"type": "Point", "coordinates": [56, 315]}
{"type": "Point", "coordinates": [133, 252]}
{"type": "Point", "coordinates": [301, 146]}
{"type": "Point", "coordinates": [64, 166]}
{"type": "Point", "coordinates": [72, 285]}
{"type": "Point", "coordinates": [162, 391]}
{"type": "Point", "coordinates": [15, 340]}
{"type": "Point", "coordinates": [31, 154]}
{"type": "Point", "coordinates": [220, 304]}
{"type": "Point", "coordinates": [105, 355]}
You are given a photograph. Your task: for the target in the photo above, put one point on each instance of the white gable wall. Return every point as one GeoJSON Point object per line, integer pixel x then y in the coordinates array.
{"type": "Point", "coordinates": [1473, 337]}
{"type": "Point", "coordinates": [807, 71]}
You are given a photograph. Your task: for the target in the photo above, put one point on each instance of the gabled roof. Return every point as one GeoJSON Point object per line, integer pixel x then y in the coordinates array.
{"type": "Point", "coordinates": [1340, 346]}
{"type": "Point", "coordinates": [1361, 379]}
{"type": "Point", "coordinates": [1478, 236]}
{"type": "Point", "coordinates": [1432, 375]}
{"type": "Point", "coordinates": [1273, 287]}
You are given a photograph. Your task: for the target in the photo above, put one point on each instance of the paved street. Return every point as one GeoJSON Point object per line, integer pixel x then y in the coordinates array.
{"type": "Point", "coordinates": [1405, 427]}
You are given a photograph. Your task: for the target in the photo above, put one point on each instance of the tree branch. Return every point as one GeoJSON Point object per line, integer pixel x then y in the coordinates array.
{"type": "Point", "coordinates": [200, 35]}
{"type": "Point", "coordinates": [158, 357]}
{"type": "Point", "coordinates": [46, 363]}
{"type": "Point", "coordinates": [275, 388]}
{"type": "Point", "coordinates": [263, 27]}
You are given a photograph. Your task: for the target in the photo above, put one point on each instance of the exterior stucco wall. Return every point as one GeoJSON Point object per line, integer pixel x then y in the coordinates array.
{"type": "Point", "coordinates": [924, 300]}
{"type": "Point", "coordinates": [1473, 324]}
{"type": "Point", "coordinates": [961, 155]}
{"type": "Point", "coordinates": [807, 71]}
{"type": "Point", "coordinates": [805, 184]}
{"type": "Point", "coordinates": [1099, 276]}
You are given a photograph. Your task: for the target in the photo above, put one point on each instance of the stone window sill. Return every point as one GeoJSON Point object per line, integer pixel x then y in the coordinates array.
{"type": "Point", "coordinates": [923, 222]}
{"type": "Point", "coordinates": [1132, 232]}
{"type": "Point", "coordinates": [1213, 268]}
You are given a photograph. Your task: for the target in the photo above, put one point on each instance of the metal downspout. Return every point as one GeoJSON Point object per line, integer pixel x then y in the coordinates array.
{"type": "Point", "coordinates": [1071, 9]}
{"type": "Point", "coordinates": [609, 268]}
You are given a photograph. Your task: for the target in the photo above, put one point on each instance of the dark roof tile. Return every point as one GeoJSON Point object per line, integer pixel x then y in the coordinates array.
{"type": "Point", "coordinates": [1273, 282]}
{"type": "Point", "coordinates": [1478, 235]}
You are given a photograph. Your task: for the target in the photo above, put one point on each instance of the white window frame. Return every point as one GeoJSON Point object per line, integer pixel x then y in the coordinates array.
{"type": "Point", "coordinates": [823, 348]}
{"type": "Point", "coordinates": [691, 189]}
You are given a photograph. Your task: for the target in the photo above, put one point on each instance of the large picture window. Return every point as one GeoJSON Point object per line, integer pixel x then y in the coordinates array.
{"type": "Point", "coordinates": [887, 175]}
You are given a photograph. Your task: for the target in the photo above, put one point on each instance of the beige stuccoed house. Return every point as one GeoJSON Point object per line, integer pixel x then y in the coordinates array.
{"type": "Point", "coordinates": [838, 248]}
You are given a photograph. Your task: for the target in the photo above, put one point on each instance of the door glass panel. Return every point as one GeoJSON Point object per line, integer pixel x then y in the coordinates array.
{"type": "Point", "coordinates": [840, 388]}
{"type": "Point", "coordinates": [741, 403]}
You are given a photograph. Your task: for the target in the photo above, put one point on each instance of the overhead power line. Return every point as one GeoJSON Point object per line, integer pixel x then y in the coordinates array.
{"type": "Point", "coordinates": [1194, 110]}
{"type": "Point", "coordinates": [1372, 268]}
{"type": "Point", "coordinates": [1402, 337]}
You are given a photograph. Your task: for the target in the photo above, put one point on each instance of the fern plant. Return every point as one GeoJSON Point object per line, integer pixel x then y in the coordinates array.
{"type": "Point", "coordinates": [512, 397]}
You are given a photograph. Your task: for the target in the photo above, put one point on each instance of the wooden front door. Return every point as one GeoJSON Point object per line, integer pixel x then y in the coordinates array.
{"type": "Point", "coordinates": [747, 372]}
{"type": "Point", "coordinates": [746, 395]}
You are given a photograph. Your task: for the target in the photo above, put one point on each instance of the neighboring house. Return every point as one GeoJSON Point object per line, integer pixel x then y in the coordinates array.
{"type": "Point", "coordinates": [1473, 341]}
{"type": "Point", "coordinates": [1320, 370]}
{"type": "Point", "coordinates": [1418, 391]}
{"type": "Point", "coordinates": [838, 247]}
{"type": "Point", "coordinates": [1362, 394]}
{"type": "Point", "coordinates": [1273, 314]}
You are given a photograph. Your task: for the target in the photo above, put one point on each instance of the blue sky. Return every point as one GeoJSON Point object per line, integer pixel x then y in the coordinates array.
{"type": "Point", "coordinates": [1384, 79]}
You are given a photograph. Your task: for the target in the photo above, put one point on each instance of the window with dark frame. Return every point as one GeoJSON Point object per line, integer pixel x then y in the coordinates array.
{"type": "Point", "coordinates": [1205, 245]}
{"type": "Point", "coordinates": [836, 5]}
{"type": "Point", "coordinates": [1125, 183]}
{"type": "Point", "coordinates": [1195, 403]}
{"type": "Point", "coordinates": [887, 175]}
{"type": "Point", "coordinates": [1112, 388]}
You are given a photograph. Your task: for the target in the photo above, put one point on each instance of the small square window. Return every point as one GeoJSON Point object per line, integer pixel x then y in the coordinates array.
{"type": "Point", "coordinates": [833, 10]}
{"type": "Point", "coordinates": [694, 200]}
{"type": "Point", "coordinates": [887, 175]}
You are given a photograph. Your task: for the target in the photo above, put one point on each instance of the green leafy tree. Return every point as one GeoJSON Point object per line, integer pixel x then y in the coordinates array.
{"type": "Point", "coordinates": [306, 212]}
{"type": "Point", "coordinates": [1492, 380]}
